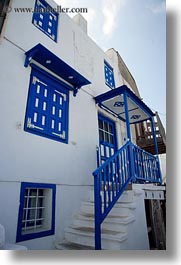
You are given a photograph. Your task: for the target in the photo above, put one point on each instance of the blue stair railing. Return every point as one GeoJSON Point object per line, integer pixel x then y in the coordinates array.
{"type": "Point", "coordinates": [147, 166]}
{"type": "Point", "coordinates": [129, 164]}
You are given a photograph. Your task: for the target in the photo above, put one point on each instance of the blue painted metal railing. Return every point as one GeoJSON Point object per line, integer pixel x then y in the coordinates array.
{"type": "Point", "coordinates": [147, 166]}
{"type": "Point", "coordinates": [129, 164]}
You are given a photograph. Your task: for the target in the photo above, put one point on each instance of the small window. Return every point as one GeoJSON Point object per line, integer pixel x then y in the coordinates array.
{"type": "Point", "coordinates": [106, 130]}
{"type": "Point", "coordinates": [4, 4]}
{"type": "Point", "coordinates": [46, 19]}
{"type": "Point", "coordinates": [109, 75]}
{"type": "Point", "coordinates": [47, 107]}
{"type": "Point", "coordinates": [36, 211]}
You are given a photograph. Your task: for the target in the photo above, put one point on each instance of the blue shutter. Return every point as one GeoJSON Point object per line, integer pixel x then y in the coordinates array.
{"type": "Point", "coordinates": [109, 75]}
{"type": "Point", "coordinates": [58, 108]}
{"type": "Point", "coordinates": [45, 19]}
{"type": "Point", "coordinates": [38, 105]}
{"type": "Point", "coordinates": [47, 108]}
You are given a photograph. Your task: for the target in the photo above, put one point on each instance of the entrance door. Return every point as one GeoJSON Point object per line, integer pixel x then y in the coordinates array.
{"type": "Point", "coordinates": [107, 138]}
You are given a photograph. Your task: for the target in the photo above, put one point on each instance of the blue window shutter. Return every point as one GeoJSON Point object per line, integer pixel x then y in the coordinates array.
{"type": "Point", "coordinates": [57, 116]}
{"type": "Point", "coordinates": [45, 19]}
{"type": "Point", "coordinates": [38, 105]}
{"type": "Point", "coordinates": [47, 108]}
{"type": "Point", "coordinates": [109, 75]}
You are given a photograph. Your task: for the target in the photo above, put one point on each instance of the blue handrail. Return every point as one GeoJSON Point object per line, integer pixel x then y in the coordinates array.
{"type": "Point", "coordinates": [147, 166]}
{"type": "Point", "coordinates": [129, 163]}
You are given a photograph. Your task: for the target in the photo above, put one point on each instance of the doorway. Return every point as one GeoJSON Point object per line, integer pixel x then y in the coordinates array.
{"type": "Point", "coordinates": [107, 138]}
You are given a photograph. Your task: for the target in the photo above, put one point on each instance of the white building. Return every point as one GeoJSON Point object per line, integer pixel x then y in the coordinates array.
{"type": "Point", "coordinates": [51, 75]}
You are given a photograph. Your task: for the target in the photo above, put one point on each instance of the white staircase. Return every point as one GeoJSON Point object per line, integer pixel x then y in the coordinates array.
{"type": "Point", "coordinates": [115, 228]}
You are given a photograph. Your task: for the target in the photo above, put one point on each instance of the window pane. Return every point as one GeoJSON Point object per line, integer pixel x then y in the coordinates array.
{"type": "Point", "coordinates": [111, 139]}
{"type": "Point", "coordinates": [100, 124]}
{"type": "Point", "coordinates": [110, 128]}
{"type": "Point", "coordinates": [101, 135]}
{"type": "Point", "coordinates": [105, 126]}
{"type": "Point", "coordinates": [107, 137]}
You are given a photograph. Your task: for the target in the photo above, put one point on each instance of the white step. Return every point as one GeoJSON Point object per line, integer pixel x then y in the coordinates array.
{"type": "Point", "coordinates": [71, 246]}
{"type": "Point", "coordinates": [85, 237]}
{"type": "Point", "coordinates": [111, 224]}
{"type": "Point", "coordinates": [88, 208]}
{"type": "Point", "coordinates": [126, 197]}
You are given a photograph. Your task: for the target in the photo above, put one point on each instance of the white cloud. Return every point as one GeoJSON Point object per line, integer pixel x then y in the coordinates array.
{"type": "Point", "coordinates": [111, 11]}
{"type": "Point", "coordinates": [101, 17]}
{"type": "Point", "coordinates": [157, 8]}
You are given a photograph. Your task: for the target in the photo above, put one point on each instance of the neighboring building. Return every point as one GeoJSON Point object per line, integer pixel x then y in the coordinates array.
{"type": "Point", "coordinates": [66, 109]}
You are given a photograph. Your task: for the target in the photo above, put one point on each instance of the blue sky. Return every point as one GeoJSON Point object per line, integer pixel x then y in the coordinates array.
{"type": "Point", "coordinates": [137, 30]}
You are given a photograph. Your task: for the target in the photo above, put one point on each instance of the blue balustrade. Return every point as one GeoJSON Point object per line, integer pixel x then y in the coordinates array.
{"type": "Point", "coordinates": [129, 164]}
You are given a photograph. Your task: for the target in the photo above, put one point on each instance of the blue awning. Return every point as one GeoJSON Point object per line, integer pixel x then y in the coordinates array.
{"type": "Point", "coordinates": [47, 59]}
{"type": "Point", "coordinates": [113, 102]}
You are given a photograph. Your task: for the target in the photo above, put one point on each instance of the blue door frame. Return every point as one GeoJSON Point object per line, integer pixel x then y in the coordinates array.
{"type": "Point", "coordinates": [107, 138]}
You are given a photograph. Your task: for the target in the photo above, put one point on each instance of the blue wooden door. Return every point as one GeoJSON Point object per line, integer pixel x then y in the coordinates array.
{"type": "Point", "coordinates": [107, 138]}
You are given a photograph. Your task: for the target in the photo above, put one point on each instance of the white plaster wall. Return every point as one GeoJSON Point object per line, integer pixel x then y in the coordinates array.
{"type": "Point", "coordinates": [137, 232]}
{"type": "Point", "coordinates": [162, 158]}
{"type": "Point", "coordinates": [31, 158]}
{"type": "Point", "coordinates": [9, 204]}
{"type": "Point", "coordinates": [73, 45]}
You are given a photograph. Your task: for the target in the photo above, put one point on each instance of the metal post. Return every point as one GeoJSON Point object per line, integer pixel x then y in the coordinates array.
{"type": "Point", "coordinates": [131, 156]}
{"type": "Point", "coordinates": [154, 135]}
{"type": "Point", "coordinates": [98, 156]}
{"type": "Point", "coordinates": [97, 212]}
{"type": "Point", "coordinates": [127, 116]}
{"type": "Point", "coordinates": [156, 147]}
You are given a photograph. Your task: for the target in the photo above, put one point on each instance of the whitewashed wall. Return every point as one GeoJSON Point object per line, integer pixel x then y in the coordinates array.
{"type": "Point", "coordinates": [30, 158]}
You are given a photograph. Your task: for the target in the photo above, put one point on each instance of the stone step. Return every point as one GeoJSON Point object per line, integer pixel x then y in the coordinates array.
{"type": "Point", "coordinates": [85, 237]}
{"type": "Point", "coordinates": [88, 208]}
{"type": "Point", "coordinates": [71, 246]}
{"type": "Point", "coordinates": [126, 197]}
{"type": "Point", "coordinates": [111, 224]}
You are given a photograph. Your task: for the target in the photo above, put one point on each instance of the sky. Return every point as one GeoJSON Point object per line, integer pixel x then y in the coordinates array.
{"type": "Point", "coordinates": [137, 30]}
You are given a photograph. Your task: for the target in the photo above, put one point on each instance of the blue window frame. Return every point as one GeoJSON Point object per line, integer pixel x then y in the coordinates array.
{"type": "Point", "coordinates": [109, 75]}
{"type": "Point", "coordinates": [107, 137]}
{"type": "Point", "coordinates": [36, 211]}
{"type": "Point", "coordinates": [47, 107]}
{"type": "Point", "coordinates": [46, 19]}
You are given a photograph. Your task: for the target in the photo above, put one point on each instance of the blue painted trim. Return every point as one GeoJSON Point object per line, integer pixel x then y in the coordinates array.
{"type": "Point", "coordinates": [41, 55]}
{"type": "Point", "coordinates": [53, 78]}
{"type": "Point", "coordinates": [128, 111]}
{"type": "Point", "coordinates": [119, 91]}
{"type": "Point", "coordinates": [54, 84]}
{"type": "Point", "coordinates": [106, 64]}
{"type": "Point", "coordinates": [111, 112]}
{"type": "Point", "coordinates": [19, 236]}
{"type": "Point", "coordinates": [45, 20]}
{"type": "Point", "coordinates": [142, 167]}
{"type": "Point", "coordinates": [127, 116]}
{"type": "Point", "coordinates": [108, 120]}
{"type": "Point", "coordinates": [97, 213]}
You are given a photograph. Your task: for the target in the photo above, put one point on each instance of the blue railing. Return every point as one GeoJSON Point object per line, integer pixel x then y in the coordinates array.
{"type": "Point", "coordinates": [146, 165]}
{"type": "Point", "coordinates": [129, 164]}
